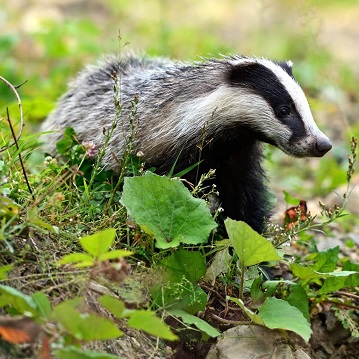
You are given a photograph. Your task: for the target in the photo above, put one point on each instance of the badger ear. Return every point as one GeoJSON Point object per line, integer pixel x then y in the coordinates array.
{"type": "Point", "coordinates": [242, 72]}
{"type": "Point", "coordinates": [287, 66]}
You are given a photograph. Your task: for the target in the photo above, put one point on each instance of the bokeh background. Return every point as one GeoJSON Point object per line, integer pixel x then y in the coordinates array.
{"type": "Point", "coordinates": [46, 42]}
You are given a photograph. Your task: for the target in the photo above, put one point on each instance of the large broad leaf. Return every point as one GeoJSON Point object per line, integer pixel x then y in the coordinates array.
{"type": "Point", "coordinates": [182, 263]}
{"type": "Point", "coordinates": [167, 209]}
{"type": "Point", "coordinates": [325, 261]}
{"type": "Point", "coordinates": [279, 314]}
{"type": "Point", "coordinates": [250, 246]}
{"type": "Point", "coordinates": [307, 274]}
{"type": "Point", "coordinates": [175, 284]}
{"type": "Point", "coordinates": [337, 282]}
{"type": "Point", "coordinates": [291, 292]}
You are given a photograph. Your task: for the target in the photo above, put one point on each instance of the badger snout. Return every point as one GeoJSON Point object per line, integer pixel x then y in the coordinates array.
{"type": "Point", "coordinates": [321, 147]}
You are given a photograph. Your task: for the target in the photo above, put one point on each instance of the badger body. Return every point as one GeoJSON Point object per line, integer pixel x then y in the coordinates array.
{"type": "Point", "coordinates": [217, 112]}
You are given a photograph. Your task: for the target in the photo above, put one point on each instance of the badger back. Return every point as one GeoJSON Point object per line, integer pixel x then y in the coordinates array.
{"type": "Point", "coordinates": [227, 99]}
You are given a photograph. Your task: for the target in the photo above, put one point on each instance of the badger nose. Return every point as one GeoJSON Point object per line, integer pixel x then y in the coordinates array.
{"type": "Point", "coordinates": [322, 146]}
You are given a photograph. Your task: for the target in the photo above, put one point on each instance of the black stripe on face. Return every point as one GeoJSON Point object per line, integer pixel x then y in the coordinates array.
{"type": "Point", "coordinates": [263, 82]}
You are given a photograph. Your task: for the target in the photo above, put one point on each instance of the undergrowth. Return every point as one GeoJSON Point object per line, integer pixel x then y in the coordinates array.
{"type": "Point", "coordinates": [75, 232]}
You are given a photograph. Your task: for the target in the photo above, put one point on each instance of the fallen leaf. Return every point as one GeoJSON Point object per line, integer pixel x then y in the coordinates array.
{"type": "Point", "coordinates": [19, 330]}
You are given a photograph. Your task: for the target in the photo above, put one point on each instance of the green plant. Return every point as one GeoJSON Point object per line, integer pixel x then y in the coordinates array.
{"type": "Point", "coordinates": [74, 323]}
{"type": "Point", "coordinates": [173, 218]}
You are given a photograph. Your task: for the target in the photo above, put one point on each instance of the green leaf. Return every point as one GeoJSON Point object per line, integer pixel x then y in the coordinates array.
{"type": "Point", "coordinates": [325, 261]}
{"type": "Point", "coordinates": [186, 170]}
{"type": "Point", "coordinates": [350, 266]}
{"type": "Point", "coordinates": [76, 353]}
{"type": "Point", "coordinates": [219, 265]}
{"type": "Point", "coordinates": [84, 326]}
{"type": "Point", "coordinates": [305, 273]}
{"type": "Point", "coordinates": [99, 242]}
{"type": "Point", "coordinates": [34, 219]}
{"type": "Point", "coordinates": [4, 270]}
{"type": "Point", "coordinates": [291, 292]}
{"type": "Point", "coordinates": [17, 301]}
{"type": "Point", "coordinates": [42, 303]}
{"type": "Point", "coordinates": [182, 263]}
{"type": "Point", "coordinates": [257, 294]}
{"type": "Point", "coordinates": [68, 141]}
{"type": "Point", "coordinates": [167, 209]}
{"type": "Point", "coordinates": [115, 306]}
{"type": "Point", "coordinates": [290, 200]}
{"type": "Point", "coordinates": [198, 322]}
{"type": "Point", "coordinates": [119, 253]}
{"type": "Point", "coordinates": [333, 284]}
{"type": "Point", "coordinates": [279, 314]}
{"type": "Point", "coordinates": [148, 322]}
{"type": "Point", "coordinates": [250, 246]}
{"type": "Point", "coordinates": [298, 298]}
{"type": "Point", "coordinates": [179, 295]}
{"type": "Point", "coordinates": [82, 259]}
{"type": "Point", "coordinates": [176, 285]}
{"type": "Point", "coordinates": [93, 327]}
{"type": "Point", "coordinates": [270, 287]}
{"type": "Point", "coordinates": [308, 274]}
{"type": "Point", "coordinates": [8, 208]}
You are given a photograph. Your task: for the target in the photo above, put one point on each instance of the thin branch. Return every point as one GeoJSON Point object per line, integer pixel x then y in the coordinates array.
{"type": "Point", "coordinates": [20, 157]}
{"type": "Point", "coordinates": [13, 89]}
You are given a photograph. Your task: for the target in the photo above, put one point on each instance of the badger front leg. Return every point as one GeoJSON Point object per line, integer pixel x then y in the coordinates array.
{"type": "Point", "coordinates": [244, 199]}
{"type": "Point", "coordinates": [242, 191]}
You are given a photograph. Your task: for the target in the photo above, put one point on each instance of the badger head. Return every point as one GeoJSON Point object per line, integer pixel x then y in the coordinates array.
{"type": "Point", "coordinates": [274, 106]}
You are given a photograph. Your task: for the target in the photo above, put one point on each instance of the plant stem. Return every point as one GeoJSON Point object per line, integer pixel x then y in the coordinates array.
{"type": "Point", "coordinates": [241, 287]}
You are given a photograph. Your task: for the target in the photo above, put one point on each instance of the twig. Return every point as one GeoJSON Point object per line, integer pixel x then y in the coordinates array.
{"type": "Point", "coordinates": [20, 157]}
{"type": "Point", "coordinates": [231, 322]}
{"type": "Point", "coordinates": [155, 350]}
{"type": "Point", "coordinates": [352, 295]}
{"type": "Point", "coordinates": [13, 89]}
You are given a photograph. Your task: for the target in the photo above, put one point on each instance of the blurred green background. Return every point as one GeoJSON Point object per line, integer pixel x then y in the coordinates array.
{"type": "Point", "coordinates": [47, 41]}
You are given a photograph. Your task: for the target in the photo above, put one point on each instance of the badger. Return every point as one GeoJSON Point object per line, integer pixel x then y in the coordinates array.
{"type": "Point", "coordinates": [217, 113]}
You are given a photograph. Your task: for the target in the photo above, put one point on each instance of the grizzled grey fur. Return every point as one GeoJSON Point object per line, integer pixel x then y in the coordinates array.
{"type": "Point", "coordinates": [230, 105]}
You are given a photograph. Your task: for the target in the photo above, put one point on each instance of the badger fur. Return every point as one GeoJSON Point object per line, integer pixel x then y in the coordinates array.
{"type": "Point", "coordinates": [230, 105]}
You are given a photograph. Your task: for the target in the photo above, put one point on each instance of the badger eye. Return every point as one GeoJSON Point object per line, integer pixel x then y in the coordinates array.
{"type": "Point", "coordinates": [284, 111]}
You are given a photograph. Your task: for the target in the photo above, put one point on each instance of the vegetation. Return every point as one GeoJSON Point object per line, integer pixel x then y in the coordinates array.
{"type": "Point", "coordinates": [74, 237]}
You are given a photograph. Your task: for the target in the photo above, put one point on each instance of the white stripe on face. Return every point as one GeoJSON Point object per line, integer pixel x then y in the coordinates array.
{"type": "Point", "coordinates": [298, 96]}
{"type": "Point", "coordinates": [272, 81]}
